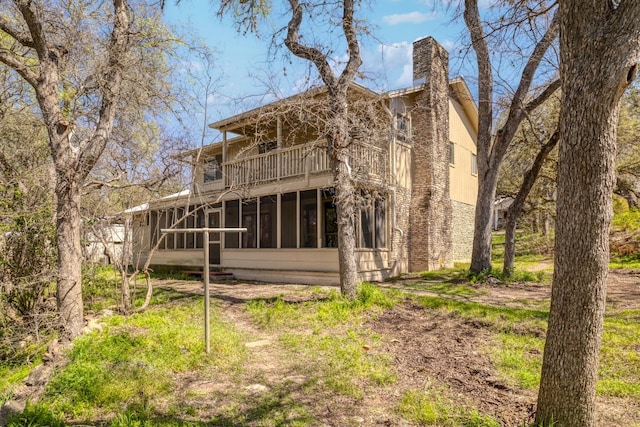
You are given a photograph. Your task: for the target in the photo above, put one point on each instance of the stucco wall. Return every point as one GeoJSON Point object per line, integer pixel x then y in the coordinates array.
{"type": "Point", "coordinates": [463, 184]}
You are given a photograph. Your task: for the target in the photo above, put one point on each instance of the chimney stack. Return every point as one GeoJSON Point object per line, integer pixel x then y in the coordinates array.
{"type": "Point", "coordinates": [430, 235]}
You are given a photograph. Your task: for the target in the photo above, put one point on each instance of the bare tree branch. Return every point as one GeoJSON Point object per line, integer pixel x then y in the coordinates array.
{"type": "Point", "coordinates": [19, 36]}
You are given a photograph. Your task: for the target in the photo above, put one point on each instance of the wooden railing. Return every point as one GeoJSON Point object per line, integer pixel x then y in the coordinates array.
{"type": "Point", "coordinates": [366, 161]}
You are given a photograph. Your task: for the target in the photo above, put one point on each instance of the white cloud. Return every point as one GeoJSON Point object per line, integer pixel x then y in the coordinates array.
{"type": "Point", "coordinates": [409, 18]}
{"type": "Point", "coordinates": [396, 61]}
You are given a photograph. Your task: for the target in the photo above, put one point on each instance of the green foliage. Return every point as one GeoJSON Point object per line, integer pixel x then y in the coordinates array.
{"type": "Point", "coordinates": [627, 221]}
{"type": "Point", "coordinates": [517, 276]}
{"type": "Point", "coordinates": [37, 415]}
{"type": "Point", "coordinates": [625, 261]}
{"type": "Point", "coordinates": [431, 407]}
{"type": "Point", "coordinates": [135, 360]}
{"type": "Point", "coordinates": [324, 310]}
{"type": "Point", "coordinates": [100, 287]}
{"type": "Point", "coordinates": [342, 361]}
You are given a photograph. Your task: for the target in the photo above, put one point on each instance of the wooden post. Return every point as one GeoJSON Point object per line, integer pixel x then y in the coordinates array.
{"type": "Point", "coordinates": [207, 311]}
{"type": "Point", "coordinates": [205, 272]}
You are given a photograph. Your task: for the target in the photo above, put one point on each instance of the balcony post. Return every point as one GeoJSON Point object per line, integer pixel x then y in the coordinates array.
{"type": "Point", "coordinates": [279, 148]}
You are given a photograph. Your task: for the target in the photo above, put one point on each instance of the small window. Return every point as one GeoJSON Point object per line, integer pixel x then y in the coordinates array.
{"type": "Point", "coordinates": [402, 127]}
{"type": "Point", "coordinates": [452, 154]}
{"type": "Point", "coordinates": [213, 168]}
{"type": "Point", "coordinates": [474, 164]}
{"type": "Point", "coordinates": [265, 147]}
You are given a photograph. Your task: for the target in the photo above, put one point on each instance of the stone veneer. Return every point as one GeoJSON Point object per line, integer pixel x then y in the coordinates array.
{"type": "Point", "coordinates": [462, 230]}
{"type": "Point", "coordinates": [430, 215]}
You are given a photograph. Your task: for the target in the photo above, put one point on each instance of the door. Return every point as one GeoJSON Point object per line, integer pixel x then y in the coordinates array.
{"type": "Point", "coordinates": [213, 221]}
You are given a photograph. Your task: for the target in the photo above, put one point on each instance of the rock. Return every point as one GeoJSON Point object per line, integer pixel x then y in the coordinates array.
{"type": "Point", "coordinates": [92, 325]}
{"type": "Point", "coordinates": [257, 388]}
{"type": "Point", "coordinates": [260, 343]}
{"type": "Point", "coordinates": [358, 420]}
{"type": "Point", "coordinates": [492, 280]}
{"type": "Point", "coordinates": [10, 408]}
{"type": "Point", "coordinates": [105, 312]}
{"type": "Point", "coordinates": [54, 351]}
{"type": "Point", "coordinates": [39, 376]}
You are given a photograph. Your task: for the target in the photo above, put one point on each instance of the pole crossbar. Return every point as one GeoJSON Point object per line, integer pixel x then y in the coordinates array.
{"type": "Point", "coordinates": [206, 272]}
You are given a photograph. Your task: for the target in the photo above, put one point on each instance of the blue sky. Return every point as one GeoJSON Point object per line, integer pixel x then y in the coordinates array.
{"type": "Point", "coordinates": [249, 77]}
{"type": "Point", "coordinates": [242, 59]}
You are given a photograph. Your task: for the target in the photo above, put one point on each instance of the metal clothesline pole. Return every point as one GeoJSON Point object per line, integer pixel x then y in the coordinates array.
{"type": "Point", "coordinates": [205, 272]}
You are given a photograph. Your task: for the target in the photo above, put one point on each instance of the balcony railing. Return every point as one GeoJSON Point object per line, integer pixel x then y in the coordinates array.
{"type": "Point", "coordinates": [366, 161]}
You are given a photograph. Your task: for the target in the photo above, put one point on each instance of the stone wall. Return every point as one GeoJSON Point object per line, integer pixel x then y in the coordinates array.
{"type": "Point", "coordinates": [462, 230]}
{"type": "Point", "coordinates": [430, 244]}
{"type": "Point", "coordinates": [399, 261]}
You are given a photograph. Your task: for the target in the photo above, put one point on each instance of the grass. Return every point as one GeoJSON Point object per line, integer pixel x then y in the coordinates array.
{"type": "Point", "coordinates": [432, 407]}
{"type": "Point", "coordinates": [321, 335]}
{"type": "Point", "coordinates": [324, 309]}
{"type": "Point", "coordinates": [131, 366]}
{"type": "Point", "coordinates": [126, 374]}
{"type": "Point", "coordinates": [518, 347]}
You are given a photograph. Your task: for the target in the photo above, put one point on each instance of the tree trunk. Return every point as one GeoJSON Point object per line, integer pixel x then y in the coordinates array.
{"type": "Point", "coordinates": [596, 66]}
{"type": "Point", "coordinates": [492, 148]}
{"type": "Point", "coordinates": [346, 214]}
{"type": "Point", "coordinates": [125, 290]}
{"type": "Point", "coordinates": [69, 289]}
{"type": "Point", "coordinates": [515, 208]}
{"type": "Point", "coordinates": [336, 132]}
{"type": "Point", "coordinates": [481, 253]}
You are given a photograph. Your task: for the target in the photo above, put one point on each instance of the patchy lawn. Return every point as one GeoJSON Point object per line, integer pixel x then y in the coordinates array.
{"type": "Point", "coordinates": [421, 350]}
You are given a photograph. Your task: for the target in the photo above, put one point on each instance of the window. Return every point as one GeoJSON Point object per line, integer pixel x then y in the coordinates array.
{"type": "Point", "coordinates": [265, 147]}
{"type": "Point", "coordinates": [199, 223]}
{"type": "Point", "coordinates": [474, 164]}
{"type": "Point", "coordinates": [402, 127]}
{"type": "Point", "coordinates": [330, 219]}
{"type": "Point", "coordinates": [155, 230]}
{"type": "Point", "coordinates": [250, 222]}
{"type": "Point", "coordinates": [231, 214]}
{"type": "Point", "coordinates": [308, 219]}
{"type": "Point", "coordinates": [380, 223]}
{"type": "Point", "coordinates": [371, 228]}
{"type": "Point", "coordinates": [268, 219]}
{"type": "Point", "coordinates": [180, 236]}
{"type": "Point", "coordinates": [452, 154]}
{"type": "Point", "coordinates": [288, 229]}
{"type": "Point", "coordinates": [213, 168]}
{"type": "Point", "coordinates": [366, 225]}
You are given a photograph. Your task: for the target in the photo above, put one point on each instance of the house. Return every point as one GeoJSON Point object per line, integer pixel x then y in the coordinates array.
{"type": "Point", "coordinates": [500, 207]}
{"type": "Point", "coordinates": [412, 159]}
{"type": "Point", "coordinates": [103, 243]}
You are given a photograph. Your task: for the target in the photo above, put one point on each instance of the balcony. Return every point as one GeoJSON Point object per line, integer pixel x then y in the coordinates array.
{"type": "Point", "coordinates": [367, 162]}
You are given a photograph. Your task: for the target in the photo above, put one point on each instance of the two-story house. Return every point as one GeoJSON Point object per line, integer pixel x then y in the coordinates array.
{"type": "Point", "coordinates": [413, 161]}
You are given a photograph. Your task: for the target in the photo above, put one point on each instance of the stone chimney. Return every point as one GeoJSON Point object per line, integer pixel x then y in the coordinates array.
{"type": "Point", "coordinates": [430, 233]}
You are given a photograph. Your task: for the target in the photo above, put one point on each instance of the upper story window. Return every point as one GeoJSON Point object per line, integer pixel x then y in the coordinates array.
{"type": "Point", "coordinates": [213, 168]}
{"type": "Point", "coordinates": [265, 147]}
{"type": "Point", "coordinates": [452, 153]}
{"type": "Point", "coordinates": [474, 164]}
{"type": "Point", "coordinates": [403, 127]}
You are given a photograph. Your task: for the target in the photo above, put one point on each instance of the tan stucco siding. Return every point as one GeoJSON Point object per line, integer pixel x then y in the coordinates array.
{"type": "Point", "coordinates": [463, 184]}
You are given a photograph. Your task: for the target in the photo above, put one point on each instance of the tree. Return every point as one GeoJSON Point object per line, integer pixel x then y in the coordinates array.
{"type": "Point", "coordinates": [337, 127]}
{"type": "Point", "coordinates": [599, 52]}
{"type": "Point", "coordinates": [526, 160]}
{"type": "Point", "coordinates": [27, 228]}
{"type": "Point", "coordinates": [628, 153]}
{"type": "Point", "coordinates": [493, 147]}
{"type": "Point", "coordinates": [79, 60]}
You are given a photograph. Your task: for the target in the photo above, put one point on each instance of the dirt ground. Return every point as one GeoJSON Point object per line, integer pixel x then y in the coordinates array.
{"type": "Point", "coordinates": [426, 347]}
